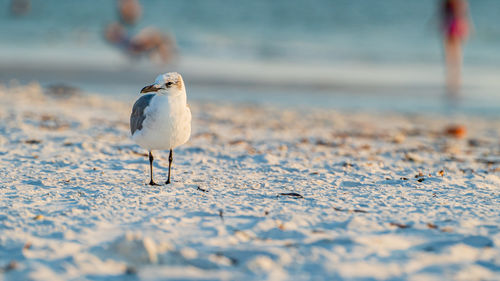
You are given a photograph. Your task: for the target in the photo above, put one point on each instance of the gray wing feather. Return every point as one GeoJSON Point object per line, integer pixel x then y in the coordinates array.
{"type": "Point", "coordinates": [137, 116]}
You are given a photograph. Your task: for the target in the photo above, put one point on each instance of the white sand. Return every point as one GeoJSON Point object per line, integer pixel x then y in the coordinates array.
{"type": "Point", "coordinates": [74, 204]}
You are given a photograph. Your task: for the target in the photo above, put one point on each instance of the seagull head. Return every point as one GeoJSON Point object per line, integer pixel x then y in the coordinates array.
{"type": "Point", "coordinates": [170, 84]}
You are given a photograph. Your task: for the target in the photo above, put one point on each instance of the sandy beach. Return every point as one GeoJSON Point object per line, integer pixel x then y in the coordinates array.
{"type": "Point", "coordinates": [258, 193]}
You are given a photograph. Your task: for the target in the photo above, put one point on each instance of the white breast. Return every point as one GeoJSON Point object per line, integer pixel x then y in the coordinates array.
{"type": "Point", "coordinates": [167, 124]}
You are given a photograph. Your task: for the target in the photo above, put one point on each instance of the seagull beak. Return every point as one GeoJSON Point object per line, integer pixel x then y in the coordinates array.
{"type": "Point", "coordinates": [150, 88]}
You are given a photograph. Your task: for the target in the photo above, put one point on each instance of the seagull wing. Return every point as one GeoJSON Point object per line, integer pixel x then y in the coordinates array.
{"type": "Point", "coordinates": [138, 116]}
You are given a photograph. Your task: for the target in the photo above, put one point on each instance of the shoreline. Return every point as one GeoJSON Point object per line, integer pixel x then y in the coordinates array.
{"type": "Point", "coordinates": [349, 77]}
{"type": "Point", "coordinates": [415, 88]}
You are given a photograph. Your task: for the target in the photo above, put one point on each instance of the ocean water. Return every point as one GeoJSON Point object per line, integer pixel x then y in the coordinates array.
{"type": "Point", "coordinates": [382, 47]}
{"type": "Point", "coordinates": [334, 30]}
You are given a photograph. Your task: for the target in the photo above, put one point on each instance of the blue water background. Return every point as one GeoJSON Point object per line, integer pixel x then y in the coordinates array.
{"type": "Point", "coordinates": [328, 32]}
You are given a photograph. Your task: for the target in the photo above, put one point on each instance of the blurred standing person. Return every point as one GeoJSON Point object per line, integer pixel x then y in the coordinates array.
{"type": "Point", "coordinates": [455, 28]}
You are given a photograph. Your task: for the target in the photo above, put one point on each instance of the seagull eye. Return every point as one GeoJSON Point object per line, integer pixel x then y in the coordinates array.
{"type": "Point", "coordinates": [168, 84]}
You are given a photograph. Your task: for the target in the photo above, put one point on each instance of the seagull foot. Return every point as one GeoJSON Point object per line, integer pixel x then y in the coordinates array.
{"type": "Point", "coordinates": [153, 183]}
{"type": "Point", "coordinates": [167, 182]}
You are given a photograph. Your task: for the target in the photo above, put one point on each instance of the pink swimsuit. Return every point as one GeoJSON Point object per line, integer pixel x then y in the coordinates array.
{"type": "Point", "coordinates": [455, 23]}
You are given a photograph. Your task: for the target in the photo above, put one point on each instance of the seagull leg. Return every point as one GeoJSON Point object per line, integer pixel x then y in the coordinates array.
{"type": "Point", "coordinates": [151, 182]}
{"type": "Point", "coordinates": [170, 159]}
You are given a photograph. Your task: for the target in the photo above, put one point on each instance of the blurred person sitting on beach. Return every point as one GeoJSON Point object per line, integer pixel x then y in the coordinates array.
{"type": "Point", "coordinates": [455, 28]}
{"type": "Point", "coordinates": [160, 47]}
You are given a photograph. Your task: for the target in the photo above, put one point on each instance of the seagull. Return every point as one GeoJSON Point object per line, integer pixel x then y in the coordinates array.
{"type": "Point", "coordinates": [161, 118]}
